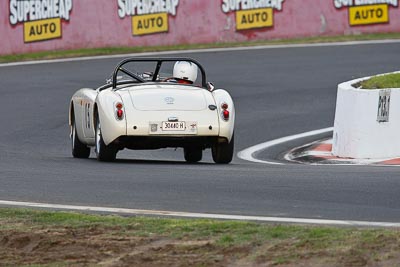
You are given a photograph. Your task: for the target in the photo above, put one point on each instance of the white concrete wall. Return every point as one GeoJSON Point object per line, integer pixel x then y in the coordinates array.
{"type": "Point", "coordinates": [357, 133]}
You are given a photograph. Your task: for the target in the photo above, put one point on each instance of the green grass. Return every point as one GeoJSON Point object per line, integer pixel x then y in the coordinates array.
{"type": "Point", "coordinates": [145, 226]}
{"type": "Point", "coordinates": [381, 82]}
{"type": "Point", "coordinates": [128, 50]}
{"type": "Point", "coordinates": [227, 231]}
{"type": "Point", "coordinates": [254, 242]}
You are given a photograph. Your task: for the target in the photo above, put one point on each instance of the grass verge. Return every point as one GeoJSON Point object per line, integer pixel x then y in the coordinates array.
{"type": "Point", "coordinates": [128, 50]}
{"type": "Point", "coordinates": [29, 237]}
{"type": "Point", "coordinates": [383, 81]}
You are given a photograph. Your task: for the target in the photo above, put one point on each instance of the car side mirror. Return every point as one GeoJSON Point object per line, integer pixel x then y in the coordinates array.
{"type": "Point", "coordinates": [210, 86]}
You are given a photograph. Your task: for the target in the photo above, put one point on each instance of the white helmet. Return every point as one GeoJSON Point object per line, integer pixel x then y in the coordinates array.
{"type": "Point", "coordinates": [185, 70]}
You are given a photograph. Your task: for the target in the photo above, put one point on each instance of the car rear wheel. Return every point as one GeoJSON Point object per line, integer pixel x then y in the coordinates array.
{"type": "Point", "coordinates": [103, 152]}
{"type": "Point", "coordinates": [79, 150]}
{"type": "Point", "coordinates": [222, 153]}
{"type": "Point", "coordinates": [193, 154]}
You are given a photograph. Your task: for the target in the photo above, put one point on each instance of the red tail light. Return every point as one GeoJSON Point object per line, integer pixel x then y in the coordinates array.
{"type": "Point", "coordinates": [225, 111]}
{"type": "Point", "coordinates": [119, 106]}
{"type": "Point", "coordinates": [119, 111]}
{"type": "Point", "coordinates": [225, 115]}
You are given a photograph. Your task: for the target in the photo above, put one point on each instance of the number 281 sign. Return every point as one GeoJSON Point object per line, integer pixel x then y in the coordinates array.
{"type": "Point", "coordinates": [383, 106]}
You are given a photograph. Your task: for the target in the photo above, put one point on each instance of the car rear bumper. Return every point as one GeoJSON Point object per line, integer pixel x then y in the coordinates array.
{"type": "Point", "coordinates": [156, 142]}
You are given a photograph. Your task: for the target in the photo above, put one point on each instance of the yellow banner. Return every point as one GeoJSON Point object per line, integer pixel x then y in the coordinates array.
{"type": "Point", "coordinates": [254, 18]}
{"type": "Point", "coordinates": [40, 30]}
{"type": "Point", "coordinates": [148, 24]}
{"type": "Point", "coordinates": [369, 14]}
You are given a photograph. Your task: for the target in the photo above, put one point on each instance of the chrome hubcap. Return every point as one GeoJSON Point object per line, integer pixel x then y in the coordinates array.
{"type": "Point", "coordinates": [98, 133]}
{"type": "Point", "coordinates": [73, 135]}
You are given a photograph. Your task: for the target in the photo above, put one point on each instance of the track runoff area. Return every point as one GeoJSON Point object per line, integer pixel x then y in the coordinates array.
{"type": "Point", "coordinates": [296, 155]}
{"type": "Point", "coordinates": [315, 153]}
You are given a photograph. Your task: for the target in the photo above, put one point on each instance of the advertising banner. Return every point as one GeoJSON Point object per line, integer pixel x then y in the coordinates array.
{"type": "Point", "coordinates": [148, 17]}
{"type": "Point", "coordinates": [367, 12]}
{"type": "Point", "coordinates": [41, 19]}
{"type": "Point", "coordinates": [252, 14]}
{"type": "Point", "coordinates": [39, 25]}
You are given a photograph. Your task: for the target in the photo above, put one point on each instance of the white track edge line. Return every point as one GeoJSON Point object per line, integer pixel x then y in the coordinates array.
{"type": "Point", "coordinates": [192, 51]}
{"type": "Point", "coordinates": [199, 215]}
{"type": "Point", "coordinates": [248, 153]}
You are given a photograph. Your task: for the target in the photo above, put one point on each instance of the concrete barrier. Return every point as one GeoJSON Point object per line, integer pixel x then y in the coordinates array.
{"type": "Point", "coordinates": [367, 122]}
{"type": "Point", "coordinates": [37, 25]}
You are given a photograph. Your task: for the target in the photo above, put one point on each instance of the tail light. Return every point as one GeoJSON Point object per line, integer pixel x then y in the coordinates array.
{"type": "Point", "coordinates": [225, 115]}
{"type": "Point", "coordinates": [119, 111]}
{"type": "Point", "coordinates": [225, 111]}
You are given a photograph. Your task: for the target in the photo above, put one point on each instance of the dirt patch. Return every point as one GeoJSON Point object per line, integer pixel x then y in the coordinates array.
{"type": "Point", "coordinates": [104, 247]}
{"type": "Point", "coordinates": [117, 246]}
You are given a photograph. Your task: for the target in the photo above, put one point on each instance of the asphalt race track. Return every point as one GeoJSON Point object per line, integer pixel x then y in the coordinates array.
{"type": "Point", "coordinates": [278, 92]}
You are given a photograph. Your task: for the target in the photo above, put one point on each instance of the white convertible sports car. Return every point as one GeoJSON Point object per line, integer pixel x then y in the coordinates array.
{"type": "Point", "coordinates": [141, 107]}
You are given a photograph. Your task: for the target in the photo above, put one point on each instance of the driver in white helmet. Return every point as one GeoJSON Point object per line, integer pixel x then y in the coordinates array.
{"type": "Point", "coordinates": [185, 72]}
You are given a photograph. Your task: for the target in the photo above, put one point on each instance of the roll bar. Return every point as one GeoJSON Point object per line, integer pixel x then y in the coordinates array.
{"type": "Point", "coordinates": [159, 61]}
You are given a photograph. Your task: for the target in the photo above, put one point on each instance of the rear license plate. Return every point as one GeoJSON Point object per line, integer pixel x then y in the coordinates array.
{"type": "Point", "coordinates": [173, 126]}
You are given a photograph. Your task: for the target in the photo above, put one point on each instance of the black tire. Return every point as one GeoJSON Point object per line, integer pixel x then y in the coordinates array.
{"type": "Point", "coordinates": [193, 154]}
{"type": "Point", "coordinates": [79, 150]}
{"type": "Point", "coordinates": [222, 153]}
{"type": "Point", "coordinates": [103, 152]}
